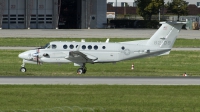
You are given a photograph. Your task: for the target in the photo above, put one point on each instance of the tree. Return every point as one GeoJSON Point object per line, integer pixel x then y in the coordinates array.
{"type": "Point", "coordinates": [146, 8]}
{"type": "Point", "coordinates": [126, 4]}
{"type": "Point", "coordinates": [178, 7]}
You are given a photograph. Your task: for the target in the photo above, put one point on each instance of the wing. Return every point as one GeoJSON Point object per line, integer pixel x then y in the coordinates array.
{"type": "Point", "coordinates": [77, 55]}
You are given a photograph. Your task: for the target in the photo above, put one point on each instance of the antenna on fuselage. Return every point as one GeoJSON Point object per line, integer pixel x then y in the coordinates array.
{"type": "Point", "coordinates": [107, 41]}
{"type": "Point", "coordinates": [82, 40]}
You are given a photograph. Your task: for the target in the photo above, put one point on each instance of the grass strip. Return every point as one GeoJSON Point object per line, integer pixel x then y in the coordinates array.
{"type": "Point", "coordinates": [100, 98]}
{"type": "Point", "coordinates": [174, 64]}
{"type": "Point", "coordinates": [37, 42]}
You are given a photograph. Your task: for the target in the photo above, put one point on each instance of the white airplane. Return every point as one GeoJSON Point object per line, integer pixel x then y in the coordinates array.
{"type": "Point", "coordinates": [83, 52]}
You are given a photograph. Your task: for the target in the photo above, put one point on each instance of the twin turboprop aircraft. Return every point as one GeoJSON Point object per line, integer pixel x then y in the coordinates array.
{"type": "Point", "coordinates": [83, 52]}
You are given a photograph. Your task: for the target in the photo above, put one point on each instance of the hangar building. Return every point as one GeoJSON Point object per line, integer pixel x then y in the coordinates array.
{"type": "Point", "coordinates": [52, 14]}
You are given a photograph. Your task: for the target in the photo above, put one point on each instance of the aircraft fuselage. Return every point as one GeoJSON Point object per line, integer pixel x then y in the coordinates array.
{"type": "Point", "coordinates": [103, 52]}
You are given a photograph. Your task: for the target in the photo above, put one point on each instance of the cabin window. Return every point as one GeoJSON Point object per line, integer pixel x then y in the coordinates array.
{"type": "Point", "coordinates": [123, 47]}
{"type": "Point", "coordinates": [89, 47]}
{"type": "Point", "coordinates": [71, 46]}
{"type": "Point", "coordinates": [104, 47]}
{"type": "Point", "coordinates": [83, 47]}
{"type": "Point", "coordinates": [95, 47]}
{"type": "Point", "coordinates": [54, 46]}
{"type": "Point", "coordinates": [76, 46]}
{"type": "Point", "coordinates": [64, 46]}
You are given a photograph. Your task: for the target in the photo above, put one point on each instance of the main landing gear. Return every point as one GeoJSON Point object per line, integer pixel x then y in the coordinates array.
{"type": "Point", "coordinates": [82, 70]}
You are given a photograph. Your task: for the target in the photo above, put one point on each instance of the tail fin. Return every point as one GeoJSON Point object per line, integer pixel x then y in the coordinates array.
{"type": "Point", "coordinates": [166, 35]}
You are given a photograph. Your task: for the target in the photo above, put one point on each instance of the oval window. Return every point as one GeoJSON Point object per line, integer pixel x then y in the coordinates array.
{"type": "Point", "coordinates": [95, 47]}
{"type": "Point", "coordinates": [64, 46]}
{"type": "Point", "coordinates": [123, 47]}
{"type": "Point", "coordinates": [83, 47]}
{"type": "Point", "coordinates": [104, 47]}
{"type": "Point", "coordinates": [89, 47]}
{"type": "Point", "coordinates": [71, 46]}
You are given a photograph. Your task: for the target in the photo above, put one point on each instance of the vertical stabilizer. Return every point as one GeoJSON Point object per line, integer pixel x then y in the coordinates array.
{"type": "Point", "coordinates": [166, 35]}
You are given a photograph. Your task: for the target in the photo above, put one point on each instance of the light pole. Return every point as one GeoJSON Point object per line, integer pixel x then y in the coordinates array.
{"type": "Point", "coordinates": [178, 12]}
{"type": "Point", "coordinates": [136, 7]}
{"type": "Point", "coordinates": [124, 9]}
{"type": "Point", "coordinates": [163, 9]}
{"type": "Point", "coordinates": [116, 9]}
{"type": "Point", "coordinates": [159, 15]}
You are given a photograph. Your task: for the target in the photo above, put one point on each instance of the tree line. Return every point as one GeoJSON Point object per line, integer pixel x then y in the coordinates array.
{"type": "Point", "coordinates": [147, 8]}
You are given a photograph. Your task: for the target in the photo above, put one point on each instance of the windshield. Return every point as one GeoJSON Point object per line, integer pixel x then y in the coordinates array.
{"type": "Point", "coordinates": [46, 46]}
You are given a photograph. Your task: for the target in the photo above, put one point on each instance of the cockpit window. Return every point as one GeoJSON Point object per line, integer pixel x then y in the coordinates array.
{"type": "Point", "coordinates": [54, 46]}
{"type": "Point", "coordinates": [46, 46]}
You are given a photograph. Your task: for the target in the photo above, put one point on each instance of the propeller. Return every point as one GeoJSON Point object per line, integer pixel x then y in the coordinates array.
{"type": "Point", "coordinates": [36, 56]}
{"type": "Point", "coordinates": [38, 50]}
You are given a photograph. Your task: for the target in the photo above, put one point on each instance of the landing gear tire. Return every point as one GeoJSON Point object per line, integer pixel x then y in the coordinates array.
{"type": "Point", "coordinates": [81, 71]}
{"type": "Point", "coordinates": [84, 71]}
{"type": "Point", "coordinates": [23, 69]}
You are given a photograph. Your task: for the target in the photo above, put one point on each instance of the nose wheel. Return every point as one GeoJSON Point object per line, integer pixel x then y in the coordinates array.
{"type": "Point", "coordinates": [23, 69]}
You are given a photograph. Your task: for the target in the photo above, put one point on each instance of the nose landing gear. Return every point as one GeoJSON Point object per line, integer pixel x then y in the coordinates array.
{"type": "Point", "coordinates": [23, 69]}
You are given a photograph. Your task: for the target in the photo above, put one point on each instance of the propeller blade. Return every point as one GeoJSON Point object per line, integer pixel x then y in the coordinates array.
{"type": "Point", "coordinates": [38, 50]}
{"type": "Point", "coordinates": [37, 60]}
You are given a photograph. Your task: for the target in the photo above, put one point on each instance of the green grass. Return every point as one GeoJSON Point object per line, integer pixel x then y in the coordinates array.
{"type": "Point", "coordinates": [174, 64]}
{"type": "Point", "coordinates": [36, 42]}
{"type": "Point", "coordinates": [100, 98]}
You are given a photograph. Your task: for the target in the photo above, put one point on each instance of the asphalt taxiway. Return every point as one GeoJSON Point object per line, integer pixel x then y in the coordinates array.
{"type": "Point", "coordinates": [100, 80]}
{"type": "Point", "coordinates": [91, 33]}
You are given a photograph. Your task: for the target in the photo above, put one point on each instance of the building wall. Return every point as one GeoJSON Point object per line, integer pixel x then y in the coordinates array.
{"type": "Point", "coordinates": [101, 13]}
{"type": "Point", "coordinates": [13, 13]}
{"type": "Point", "coordinates": [93, 13]}
{"type": "Point", "coordinates": [21, 14]}
{"type": "Point", "coordinates": [41, 14]}
{"type": "Point", "coordinates": [44, 14]}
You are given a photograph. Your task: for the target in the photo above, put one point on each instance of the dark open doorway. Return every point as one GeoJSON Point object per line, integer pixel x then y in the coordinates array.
{"type": "Point", "coordinates": [70, 14]}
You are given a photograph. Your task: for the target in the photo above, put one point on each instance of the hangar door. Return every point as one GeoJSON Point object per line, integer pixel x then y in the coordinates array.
{"type": "Point", "coordinates": [32, 14]}
{"type": "Point", "coordinates": [70, 14]}
{"type": "Point", "coordinates": [41, 13]}
{"type": "Point", "coordinates": [13, 14]}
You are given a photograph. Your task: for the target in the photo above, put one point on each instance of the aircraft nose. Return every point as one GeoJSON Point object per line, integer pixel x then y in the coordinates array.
{"type": "Point", "coordinates": [23, 55]}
